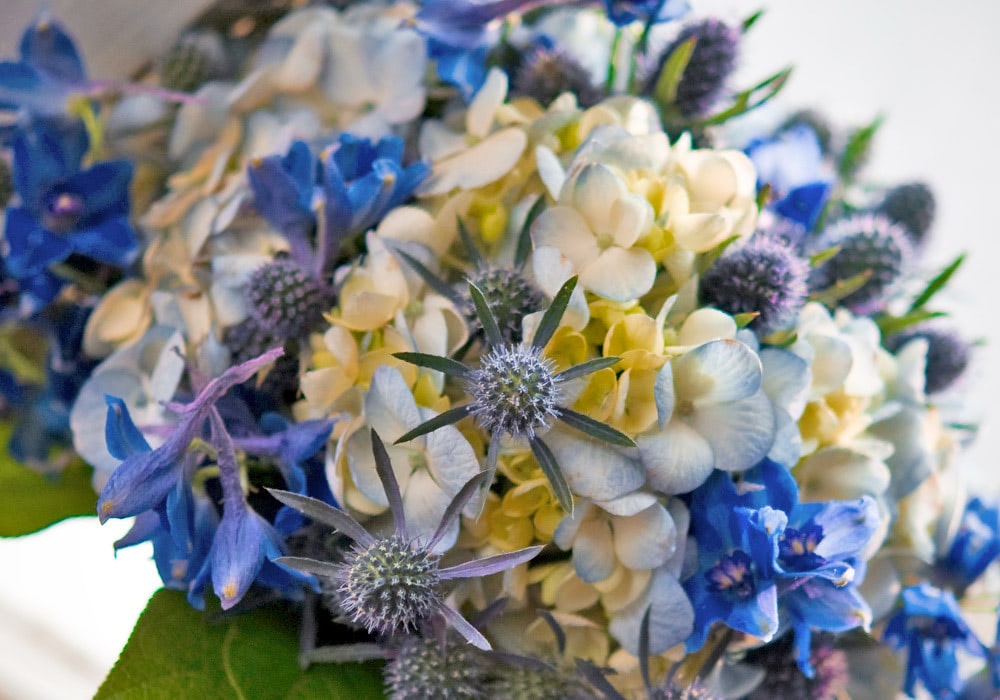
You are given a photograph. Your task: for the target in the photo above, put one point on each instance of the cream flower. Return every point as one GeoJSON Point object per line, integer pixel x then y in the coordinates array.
{"type": "Point", "coordinates": [596, 226]}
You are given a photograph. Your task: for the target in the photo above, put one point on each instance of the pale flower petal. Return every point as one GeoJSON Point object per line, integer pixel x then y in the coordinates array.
{"type": "Point", "coordinates": [593, 552]}
{"type": "Point", "coordinates": [719, 371]}
{"type": "Point", "coordinates": [619, 274]}
{"type": "Point", "coordinates": [677, 458]}
{"type": "Point", "coordinates": [645, 540]}
{"type": "Point", "coordinates": [593, 468]}
{"type": "Point", "coordinates": [740, 432]}
{"type": "Point", "coordinates": [481, 164]}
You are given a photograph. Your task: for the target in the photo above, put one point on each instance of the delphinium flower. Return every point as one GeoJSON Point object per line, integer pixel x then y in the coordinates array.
{"type": "Point", "coordinates": [948, 355]}
{"type": "Point", "coordinates": [766, 276]}
{"type": "Point", "coordinates": [791, 163]}
{"type": "Point", "coordinates": [712, 61]}
{"type": "Point", "coordinates": [762, 553]}
{"type": "Point", "coordinates": [930, 627]}
{"type": "Point", "coordinates": [516, 393]}
{"type": "Point", "coordinates": [975, 545]}
{"type": "Point", "coordinates": [912, 206]}
{"type": "Point", "coordinates": [65, 212]}
{"type": "Point", "coordinates": [392, 584]}
{"type": "Point", "coordinates": [872, 254]}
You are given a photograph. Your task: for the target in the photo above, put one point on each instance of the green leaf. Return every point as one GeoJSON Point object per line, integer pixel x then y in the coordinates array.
{"type": "Point", "coordinates": [547, 461]}
{"type": "Point", "coordinates": [485, 315]}
{"type": "Point", "coordinates": [894, 324]}
{"type": "Point", "coordinates": [470, 246]}
{"type": "Point", "coordinates": [752, 98]}
{"type": "Point", "coordinates": [594, 428]}
{"type": "Point", "coordinates": [817, 259]}
{"type": "Point", "coordinates": [665, 91]}
{"type": "Point", "coordinates": [841, 289]}
{"type": "Point", "coordinates": [858, 146]}
{"type": "Point", "coordinates": [751, 20]}
{"type": "Point", "coordinates": [33, 501]}
{"type": "Point", "coordinates": [524, 240]}
{"type": "Point", "coordinates": [441, 364]}
{"type": "Point", "coordinates": [588, 367]}
{"type": "Point", "coordinates": [937, 284]}
{"type": "Point", "coordinates": [175, 653]}
{"type": "Point", "coordinates": [745, 319]}
{"type": "Point", "coordinates": [553, 315]}
{"type": "Point", "coordinates": [709, 257]}
{"type": "Point", "coordinates": [452, 415]}
{"type": "Point", "coordinates": [430, 279]}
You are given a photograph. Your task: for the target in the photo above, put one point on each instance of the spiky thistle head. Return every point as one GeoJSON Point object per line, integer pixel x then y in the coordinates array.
{"type": "Point", "coordinates": [510, 296]}
{"type": "Point", "coordinates": [424, 668]}
{"type": "Point", "coordinates": [514, 391]}
{"type": "Point", "coordinates": [947, 355]}
{"type": "Point", "coordinates": [529, 681]}
{"type": "Point", "coordinates": [765, 276]}
{"type": "Point", "coordinates": [389, 585]}
{"type": "Point", "coordinates": [285, 299]}
{"type": "Point", "coordinates": [548, 73]}
{"type": "Point", "coordinates": [912, 206]}
{"type": "Point", "coordinates": [711, 63]}
{"type": "Point", "coordinates": [869, 245]}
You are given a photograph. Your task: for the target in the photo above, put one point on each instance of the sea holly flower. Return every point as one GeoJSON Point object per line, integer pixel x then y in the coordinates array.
{"type": "Point", "coordinates": [930, 626]}
{"type": "Point", "coordinates": [712, 412]}
{"type": "Point", "coordinates": [392, 584]}
{"type": "Point", "coordinates": [516, 394]}
{"type": "Point", "coordinates": [64, 211]}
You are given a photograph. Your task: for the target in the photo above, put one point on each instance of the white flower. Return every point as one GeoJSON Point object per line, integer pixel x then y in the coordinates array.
{"type": "Point", "coordinates": [144, 375]}
{"type": "Point", "coordinates": [430, 469]}
{"type": "Point", "coordinates": [712, 413]}
{"type": "Point", "coordinates": [596, 226]}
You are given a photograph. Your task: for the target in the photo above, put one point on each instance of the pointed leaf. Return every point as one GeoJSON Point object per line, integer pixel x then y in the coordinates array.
{"type": "Point", "coordinates": [556, 628]}
{"type": "Point", "coordinates": [841, 289]}
{"type": "Point", "coordinates": [817, 259]}
{"type": "Point", "coordinates": [326, 514]}
{"type": "Point", "coordinates": [594, 428]}
{"type": "Point", "coordinates": [751, 20]}
{"type": "Point", "coordinates": [894, 324]}
{"type": "Point", "coordinates": [485, 315]}
{"type": "Point", "coordinates": [938, 283]}
{"type": "Point", "coordinates": [310, 566]}
{"type": "Point", "coordinates": [553, 315]}
{"type": "Point", "coordinates": [174, 652]}
{"type": "Point", "coordinates": [383, 465]}
{"type": "Point", "coordinates": [596, 678]}
{"type": "Point", "coordinates": [462, 626]}
{"type": "Point", "coordinates": [452, 415]}
{"type": "Point", "coordinates": [346, 653]}
{"type": "Point", "coordinates": [752, 98]}
{"type": "Point", "coordinates": [474, 257]}
{"type": "Point", "coordinates": [490, 565]}
{"type": "Point", "coordinates": [429, 278]}
{"type": "Point", "coordinates": [457, 504]}
{"type": "Point", "coordinates": [547, 461]}
{"type": "Point", "coordinates": [858, 146]}
{"type": "Point", "coordinates": [665, 91]}
{"type": "Point", "coordinates": [441, 364]}
{"type": "Point", "coordinates": [585, 368]}
{"type": "Point", "coordinates": [644, 646]}
{"type": "Point", "coordinates": [524, 240]}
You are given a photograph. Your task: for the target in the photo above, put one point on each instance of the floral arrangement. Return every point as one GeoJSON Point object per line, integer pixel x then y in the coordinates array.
{"type": "Point", "coordinates": [461, 349]}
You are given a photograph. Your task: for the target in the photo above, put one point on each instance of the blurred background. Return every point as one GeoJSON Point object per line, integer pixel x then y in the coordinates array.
{"type": "Point", "coordinates": [67, 604]}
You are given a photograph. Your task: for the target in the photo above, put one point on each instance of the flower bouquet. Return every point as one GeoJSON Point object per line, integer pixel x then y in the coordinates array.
{"type": "Point", "coordinates": [456, 349]}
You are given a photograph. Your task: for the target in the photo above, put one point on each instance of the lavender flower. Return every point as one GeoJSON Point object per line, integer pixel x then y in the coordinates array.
{"type": "Point", "coordinates": [765, 276]}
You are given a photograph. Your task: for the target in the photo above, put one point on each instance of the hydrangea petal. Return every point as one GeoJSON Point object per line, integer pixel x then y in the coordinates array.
{"type": "Point", "coordinates": [677, 459]}
{"type": "Point", "coordinates": [592, 467]}
{"type": "Point", "coordinates": [671, 617]}
{"type": "Point", "coordinates": [645, 540]}
{"type": "Point", "coordinates": [593, 551]}
{"type": "Point", "coordinates": [717, 372]}
{"type": "Point", "coordinates": [740, 432]}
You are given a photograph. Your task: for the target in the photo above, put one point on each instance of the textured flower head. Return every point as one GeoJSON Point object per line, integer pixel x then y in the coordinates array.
{"type": "Point", "coordinates": [515, 392]}
{"type": "Point", "coordinates": [391, 584]}
{"type": "Point", "coordinates": [948, 355]}
{"type": "Point", "coordinates": [765, 276]}
{"type": "Point", "coordinates": [712, 61]}
{"type": "Point", "coordinates": [912, 206]}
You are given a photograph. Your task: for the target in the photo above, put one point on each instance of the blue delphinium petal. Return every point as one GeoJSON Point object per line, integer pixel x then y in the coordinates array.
{"type": "Point", "coordinates": [623, 12]}
{"type": "Point", "coordinates": [47, 46]}
{"type": "Point", "coordinates": [283, 188]}
{"type": "Point", "coordinates": [31, 248]}
{"type": "Point", "coordinates": [975, 546]}
{"type": "Point", "coordinates": [122, 437]}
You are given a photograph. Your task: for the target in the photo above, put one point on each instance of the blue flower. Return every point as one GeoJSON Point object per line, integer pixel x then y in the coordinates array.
{"type": "Point", "coordinates": [291, 445]}
{"type": "Point", "coordinates": [145, 477]}
{"type": "Point", "coordinates": [931, 629]}
{"type": "Point", "coordinates": [623, 12]}
{"type": "Point", "coordinates": [64, 210]}
{"type": "Point", "coordinates": [791, 162]}
{"type": "Point", "coordinates": [245, 545]}
{"type": "Point", "coordinates": [48, 73]}
{"type": "Point", "coordinates": [975, 546]}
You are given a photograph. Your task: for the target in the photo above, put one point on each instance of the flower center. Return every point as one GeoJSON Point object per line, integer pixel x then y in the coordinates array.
{"type": "Point", "coordinates": [63, 212]}
{"type": "Point", "coordinates": [733, 575]}
{"type": "Point", "coordinates": [514, 391]}
{"type": "Point", "coordinates": [390, 586]}
{"type": "Point", "coordinates": [797, 548]}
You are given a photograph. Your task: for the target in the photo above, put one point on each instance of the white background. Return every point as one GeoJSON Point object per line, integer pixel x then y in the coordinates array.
{"type": "Point", "coordinates": [66, 605]}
